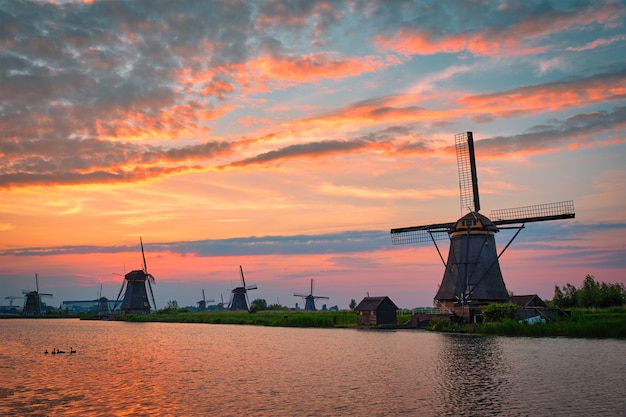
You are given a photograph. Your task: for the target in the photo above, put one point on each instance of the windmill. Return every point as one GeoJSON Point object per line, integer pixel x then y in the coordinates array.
{"type": "Point", "coordinates": [32, 299]}
{"type": "Point", "coordinates": [310, 299]}
{"type": "Point", "coordinates": [239, 297]}
{"type": "Point", "coordinates": [202, 303]}
{"type": "Point", "coordinates": [472, 272]}
{"type": "Point", "coordinates": [136, 296]}
{"type": "Point", "coordinates": [220, 305]}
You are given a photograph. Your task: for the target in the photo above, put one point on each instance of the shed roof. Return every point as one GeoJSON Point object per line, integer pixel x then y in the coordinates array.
{"type": "Point", "coordinates": [530, 300]}
{"type": "Point", "coordinates": [372, 303]}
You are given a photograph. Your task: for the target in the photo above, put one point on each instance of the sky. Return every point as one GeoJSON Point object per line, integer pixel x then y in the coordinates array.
{"type": "Point", "coordinates": [289, 137]}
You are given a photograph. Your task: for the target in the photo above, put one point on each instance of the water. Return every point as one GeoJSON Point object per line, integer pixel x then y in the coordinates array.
{"type": "Point", "coordinates": [164, 369]}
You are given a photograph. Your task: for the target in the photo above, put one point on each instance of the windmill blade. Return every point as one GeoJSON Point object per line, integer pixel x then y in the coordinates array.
{"type": "Point", "coordinates": [420, 234]}
{"type": "Point", "coordinates": [37, 282]}
{"type": "Point", "coordinates": [152, 296]}
{"type": "Point", "coordinates": [311, 286]}
{"type": "Point", "coordinates": [150, 278]}
{"type": "Point", "coordinates": [145, 267]}
{"type": "Point", "coordinates": [537, 213]}
{"type": "Point", "coordinates": [203, 298]}
{"type": "Point", "coordinates": [300, 295]}
{"type": "Point", "coordinates": [252, 287]}
{"type": "Point", "coordinates": [468, 179]}
{"type": "Point", "coordinates": [119, 294]}
{"type": "Point", "coordinates": [243, 280]}
{"type": "Point", "coordinates": [322, 297]}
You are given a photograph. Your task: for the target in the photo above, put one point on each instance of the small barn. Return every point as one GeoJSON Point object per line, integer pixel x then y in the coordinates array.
{"type": "Point", "coordinates": [533, 306]}
{"type": "Point", "coordinates": [525, 301]}
{"type": "Point", "coordinates": [376, 311]}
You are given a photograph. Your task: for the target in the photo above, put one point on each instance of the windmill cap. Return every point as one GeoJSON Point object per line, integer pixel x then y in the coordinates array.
{"type": "Point", "coordinates": [475, 221]}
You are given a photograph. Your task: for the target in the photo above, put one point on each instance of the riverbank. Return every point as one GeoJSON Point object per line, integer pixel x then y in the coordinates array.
{"type": "Point", "coordinates": [583, 323]}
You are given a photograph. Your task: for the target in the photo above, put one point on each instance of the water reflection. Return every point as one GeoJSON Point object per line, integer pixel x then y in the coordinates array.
{"type": "Point", "coordinates": [472, 370]}
{"type": "Point", "coordinates": [158, 369]}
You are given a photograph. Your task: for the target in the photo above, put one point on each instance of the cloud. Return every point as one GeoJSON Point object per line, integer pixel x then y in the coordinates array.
{"type": "Point", "coordinates": [508, 31]}
{"type": "Point", "coordinates": [333, 243]}
{"type": "Point", "coordinates": [584, 128]}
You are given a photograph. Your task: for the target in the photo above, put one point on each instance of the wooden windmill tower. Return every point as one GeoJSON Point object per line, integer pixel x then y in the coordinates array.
{"type": "Point", "coordinates": [239, 295]}
{"type": "Point", "coordinates": [309, 304]}
{"type": "Point", "coordinates": [135, 299]}
{"type": "Point", "coordinates": [32, 299]}
{"type": "Point", "coordinates": [472, 272]}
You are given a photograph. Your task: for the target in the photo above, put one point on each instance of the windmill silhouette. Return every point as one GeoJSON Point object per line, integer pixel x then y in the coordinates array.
{"type": "Point", "coordinates": [239, 296]}
{"type": "Point", "coordinates": [32, 299]}
{"type": "Point", "coordinates": [135, 299]}
{"type": "Point", "coordinates": [202, 303]}
{"type": "Point", "coordinates": [472, 272]}
{"type": "Point", "coordinates": [310, 299]}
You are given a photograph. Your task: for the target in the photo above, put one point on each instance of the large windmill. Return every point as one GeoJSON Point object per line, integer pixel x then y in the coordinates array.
{"type": "Point", "coordinates": [32, 299]}
{"type": "Point", "coordinates": [309, 304]}
{"type": "Point", "coordinates": [472, 272]}
{"type": "Point", "coordinates": [239, 296]}
{"type": "Point", "coordinates": [136, 296]}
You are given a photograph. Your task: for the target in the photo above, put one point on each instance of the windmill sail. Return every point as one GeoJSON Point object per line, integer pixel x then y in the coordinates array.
{"type": "Point", "coordinates": [468, 179]}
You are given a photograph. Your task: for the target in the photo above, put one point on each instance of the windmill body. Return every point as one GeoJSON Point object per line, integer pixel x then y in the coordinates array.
{"type": "Point", "coordinates": [309, 299]}
{"type": "Point", "coordinates": [472, 267]}
{"type": "Point", "coordinates": [239, 295]}
{"type": "Point", "coordinates": [472, 274]}
{"type": "Point", "coordinates": [32, 300]}
{"type": "Point", "coordinates": [135, 299]}
{"type": "Point", "coordinates": [137, 283]}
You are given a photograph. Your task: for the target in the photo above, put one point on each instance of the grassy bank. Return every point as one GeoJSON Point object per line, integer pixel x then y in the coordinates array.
{"type": "Point", "coordinates": [315, 319]}
{"type": "Point", "coordinates": [583, 323]}
{"type": "Point", "coordinates": [323, 319]}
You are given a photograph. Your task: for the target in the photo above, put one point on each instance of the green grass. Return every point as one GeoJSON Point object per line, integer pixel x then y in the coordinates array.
{"type": "Point", "coordinates": [320, 319]}
{"type": "Point", "coordinates": [583, 323]}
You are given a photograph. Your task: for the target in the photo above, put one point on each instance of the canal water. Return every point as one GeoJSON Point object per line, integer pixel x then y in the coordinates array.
{"type": "Point", "coordinates": [164, 369]}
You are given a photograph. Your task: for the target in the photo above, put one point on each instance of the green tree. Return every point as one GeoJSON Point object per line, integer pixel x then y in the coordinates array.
{"type": "Point", "coordinates": [499, 311]}
{"type": "Point", "coordinates": [352, 304]}
{"type": "Point", "coordinates": [172, 305]}
{"type": "Point", "coordinates": [589, 293]}
{"type": "Point", "coordinates": [258, 305]}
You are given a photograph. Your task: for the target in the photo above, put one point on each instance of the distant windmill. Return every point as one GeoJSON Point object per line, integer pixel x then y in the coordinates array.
{"type": "Point", "coordinates": [136, 296]}
{"type": "Point", "coordinates": [220, 305]}
{"type": "Point", "coordinates": [239, 296]}
{"type": "Point", "coordinates": [310, 299]}
{"type": "Point", "coordinates": [202, 303]}
{"type": "Point", "coordinates": [472, 273]}
{"type": "Point", "coordinates": [32, 299]}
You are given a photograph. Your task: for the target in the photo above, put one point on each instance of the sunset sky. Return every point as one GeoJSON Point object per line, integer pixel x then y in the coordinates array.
{"type": "Point", "coordinates": [289, 137]}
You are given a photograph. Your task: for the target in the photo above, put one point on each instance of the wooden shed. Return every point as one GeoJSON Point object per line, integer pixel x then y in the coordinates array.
{"type": "Point", "coordinates": [525, 301]}
{"type": "Point", "coordinates": [376, 311]}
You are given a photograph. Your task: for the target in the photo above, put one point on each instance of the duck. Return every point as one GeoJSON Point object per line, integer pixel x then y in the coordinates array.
{"type": "Point", "coordinates": [60, 351]}
{"type": "Point", "coordinates": [54, 351]}
{"type": "Point", "coordinates": [72, 351]}
{"type": "Point", "coordinates": [46, 352]}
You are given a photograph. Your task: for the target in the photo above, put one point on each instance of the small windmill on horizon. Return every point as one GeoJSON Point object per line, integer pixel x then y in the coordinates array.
{"type": "Point", "coordinates": [137, 284]}
{"type": "Point", "coordinates": [239, 295]}
{"type": "Point", "coordinates": [309, 304]}
{"type": "Point", "coordinates": [32, 299]}
{"type": "Point", "coordinates": [472, 273]}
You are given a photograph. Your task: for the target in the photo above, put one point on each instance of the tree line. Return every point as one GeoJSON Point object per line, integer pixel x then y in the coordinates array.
{"type": "Point", "coordinates": [591, 294]}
